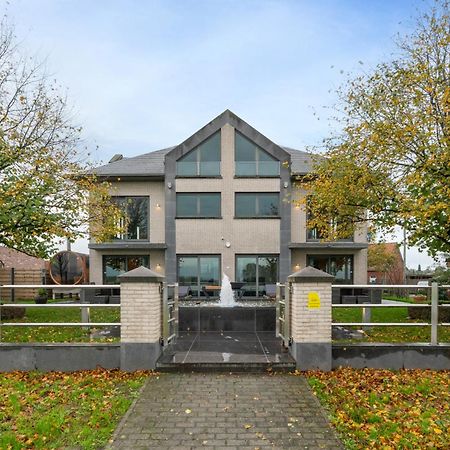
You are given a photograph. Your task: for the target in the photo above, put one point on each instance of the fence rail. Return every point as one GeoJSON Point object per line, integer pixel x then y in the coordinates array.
{"type": "Point", "coordinates": [85, 308]}
{"type": "Point", "coordinates": [366, 307]}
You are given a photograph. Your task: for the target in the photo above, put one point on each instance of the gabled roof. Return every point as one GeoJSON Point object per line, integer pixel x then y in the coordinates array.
{"type": "Point", "coordinates": [152, 164]}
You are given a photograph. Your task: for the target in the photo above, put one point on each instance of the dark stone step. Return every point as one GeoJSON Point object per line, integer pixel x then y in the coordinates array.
{"type": "Point", "coordinates": [246, 367]}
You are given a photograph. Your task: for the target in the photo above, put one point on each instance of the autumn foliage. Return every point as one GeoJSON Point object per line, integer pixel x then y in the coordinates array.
{"type": "Point", "coordinates": [390, 166]}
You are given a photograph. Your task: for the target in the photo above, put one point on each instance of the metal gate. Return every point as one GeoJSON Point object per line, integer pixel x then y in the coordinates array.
{"type": "Point", "coordinates": [169, 312]}
{"type": "Point", "coordinates": [283, 312]}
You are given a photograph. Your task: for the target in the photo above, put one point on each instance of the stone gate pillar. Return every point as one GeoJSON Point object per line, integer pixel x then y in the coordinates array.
{"type": "Point", "coordinates": [140, 316]}
{"type": "Point", "coordinates": [311, 318]}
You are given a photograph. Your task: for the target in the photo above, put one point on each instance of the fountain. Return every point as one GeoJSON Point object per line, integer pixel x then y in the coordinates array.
{"type": "Point", "coordinates": [226, 293]}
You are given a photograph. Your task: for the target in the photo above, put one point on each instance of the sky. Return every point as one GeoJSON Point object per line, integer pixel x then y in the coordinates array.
{"type": "Point", "coordinates": [144, 75]}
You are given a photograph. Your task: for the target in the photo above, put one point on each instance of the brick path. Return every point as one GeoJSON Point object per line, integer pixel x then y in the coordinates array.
{"type": "Point", "coordinates": [225, 411]}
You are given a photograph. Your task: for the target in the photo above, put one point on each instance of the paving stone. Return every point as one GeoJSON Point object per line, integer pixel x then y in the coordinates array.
{"type": "Point", "coordinates": [225, 411]}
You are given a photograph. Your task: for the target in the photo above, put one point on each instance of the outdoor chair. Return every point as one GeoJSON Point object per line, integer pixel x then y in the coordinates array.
{"type": "Point", "coordinates": [184, 292]}
{"type": "Point", "coordinates": [271, 291]}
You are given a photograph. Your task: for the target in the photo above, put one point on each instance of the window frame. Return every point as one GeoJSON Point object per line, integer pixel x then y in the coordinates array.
{"type": "Point", "coordinates": [120, 236]}
{"type": "Point", "coordinates": [198, 205]}
{"type": "Point", "coordinates": [198, 161]}
{"type": "Point", "coordinates": [198, 286]}
{"type": "Point", "coordinates": [127, 257]}
{"type": "Point", "coordinates": [257, 195]}
{"type": "Point", "coordinates": [256, 256]}
{"type": "Point", "coordinates": [329, 256]}
{"type": "Point", "coordinates": [257, 160]}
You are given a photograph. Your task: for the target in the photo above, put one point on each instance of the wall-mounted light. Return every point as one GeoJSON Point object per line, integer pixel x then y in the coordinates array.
{"type": "Point", "coordinates": [297, 206]}
{"type": "Point", "coordinates": [285, 184]}
{"type": "Point", "coordinates": [158, 266]}
{"type": "Point", "coordinates": [158, 205]}
{"type": "Point", "coordinates": [169, 185]}
{"type": "Point", "coordinates": [227, 244]}
{"type": "Point", "coordinates": [297, 267]}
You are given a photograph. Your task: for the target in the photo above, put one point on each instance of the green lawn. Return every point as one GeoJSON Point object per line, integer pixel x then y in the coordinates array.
{"type": "Point", "coordinates": [382, 409]}
{"type": "Point", "coordinates": [57, 334]}
{"type": "Point", "coordinates": [61, 410]}
{"type": "Point", "coordinates": [389, 334]}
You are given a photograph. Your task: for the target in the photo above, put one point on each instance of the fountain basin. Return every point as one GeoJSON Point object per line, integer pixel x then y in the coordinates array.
{"type": "Point", "coordinates": [242, 317]}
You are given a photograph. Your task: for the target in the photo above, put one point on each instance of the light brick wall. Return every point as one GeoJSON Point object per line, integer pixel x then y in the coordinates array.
{"type": "Point", "coordinates": [311, 325]}
{"type": "Point", "coordinates": [140, 312]}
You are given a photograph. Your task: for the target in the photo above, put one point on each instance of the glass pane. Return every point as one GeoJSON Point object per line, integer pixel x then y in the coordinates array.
{"type": "Point", "coordinates": [268, 168]}
{"type": "Point", "coordinates": [209, 270]}
{"type": "Point", "coordinates": [187, 169]}
{"type": "Point", "coordinates": [209, 168]}
{"type": "Point", "coordinates": [319, 262]}
{"type": "Point", "coordinates": [265, 157]}
{"type": "Point", "coordinates": [246, 273]}
{"type": "Point", "coordinates": [137, 212]}
{"type": "Point", "coordinates": [268, 204]}
{"type": "Point", "coordinates": [209, 205]}
{"type": "Point", "coordinates": [245, 149]}
{"type": "Point", "coordinates": [245, 205]}
{"type": "Point", "coordinates": [245, 169]}
{"type": "Point", "coordinates": [188, 272]}
{"type": "Point", "coordinates": [267, 272]}
{"type": "Point", "coordinates": [113, 266]}
{"type": "Point", "coordinates": [137, 261]}
{"type": "Point", "coordinates": [210, 149]}
{"type": "Point", "coordinates": [187, 205]}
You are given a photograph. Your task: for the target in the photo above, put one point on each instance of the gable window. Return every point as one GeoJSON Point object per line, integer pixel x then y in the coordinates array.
{"type": "Point", "coordinates": [196, 204]}
{"type": "Point", "coordinates": [203, 161]}
{"type": "Point", "coordinates": [253, 161]}
{"type": "Point", "coordinates": [115, 265]}
{"type": "Point", "coordinates": [136, 211]}
{"type": "Point", "coordinates": [257, 204]}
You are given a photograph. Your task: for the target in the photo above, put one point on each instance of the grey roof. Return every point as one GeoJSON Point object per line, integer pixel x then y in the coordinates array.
{"type": "Point", "coordinates": [147, 165]}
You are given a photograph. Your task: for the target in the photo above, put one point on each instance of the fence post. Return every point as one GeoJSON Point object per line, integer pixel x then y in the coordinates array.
{"type": "Point", "coordinates": [13, 281]}
{"type": "Point", "coordinates": [434, 312]}
{"type": "Point", "coordinates": [85, 312]}
{"type": "Point", "coordinates": [311, 319]}
{"type": "Point", "coordinates": [140, 317]}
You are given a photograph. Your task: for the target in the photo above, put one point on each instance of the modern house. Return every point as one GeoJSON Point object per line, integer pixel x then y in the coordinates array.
{"type": "Point", "coordinates": [219, 202]}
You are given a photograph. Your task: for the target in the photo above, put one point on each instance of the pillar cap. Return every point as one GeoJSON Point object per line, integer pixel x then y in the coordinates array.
{"type": "Point", "coordinates": [311, 274]}
{"type": "Point", "coordinates": [139, 275]}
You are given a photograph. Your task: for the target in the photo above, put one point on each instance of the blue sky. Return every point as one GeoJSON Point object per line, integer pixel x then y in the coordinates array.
{"type": "Point", "coordinates": [144, 75]}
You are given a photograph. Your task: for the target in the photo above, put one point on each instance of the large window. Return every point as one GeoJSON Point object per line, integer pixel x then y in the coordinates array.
{"type": "Point", "coordinates": [198, 205]}
{"type": "Point", "coordinates": [203, 161]}
{"type": "Point", "coordinates": [136, 210]}
{"type": "Point", "coordinates": [253, 161]}
{"type": "Point", "coordinates": [199, 272]}
{"type": "Point", "coordinates": [259, 204]}
{"type": "Point", "coordinates": [340, 266]}
{"type": "Point", "coordinates": [116, 265]}
{"type": "Point", "coordinates": [256, 271]}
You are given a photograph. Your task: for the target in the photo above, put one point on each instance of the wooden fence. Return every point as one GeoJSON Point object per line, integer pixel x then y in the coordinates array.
{"type": "Point", "coordinates": [21, 276]}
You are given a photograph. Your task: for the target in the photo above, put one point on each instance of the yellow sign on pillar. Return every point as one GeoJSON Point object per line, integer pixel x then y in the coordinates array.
{"type": "Point", "coordinates": [313, 300]}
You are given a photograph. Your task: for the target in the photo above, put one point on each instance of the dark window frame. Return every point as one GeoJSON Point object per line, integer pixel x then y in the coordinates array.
{"type": "Point", "coordinates": [256, 256]}
{"type": "Point", "coordinates": [198, 256]}
{"type": "Point", "coordinates": [198, 161]}
{"type": "Point", "coordinates": [257, 195]}
{"type": "Point", "coordinates": [346, 280]}
{"type": "Point", "coordinates": [121, 237]}
{"type": "Point", "coordinates": [198, 206]}
{"type": "Point", "coordinates": [257, 160]}
{"type": "Point", "coordinates": [127, 257]}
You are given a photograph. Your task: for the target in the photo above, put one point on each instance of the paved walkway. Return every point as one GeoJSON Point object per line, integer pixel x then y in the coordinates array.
{"type": "Point", "coordinates": [225, 411]}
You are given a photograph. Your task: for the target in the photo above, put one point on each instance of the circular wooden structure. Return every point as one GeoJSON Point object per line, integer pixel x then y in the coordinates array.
{"type": "Point", "coordinates": [68, 267]}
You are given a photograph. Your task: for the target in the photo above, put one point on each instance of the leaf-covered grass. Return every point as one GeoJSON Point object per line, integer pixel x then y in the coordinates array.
{"type": "Point", "coordinates": [57, 334]}
{"type": "Point", "coordinates": [383, 409]}
{"type": "Point", "coordinates": [60, 410]}
{"type": "Point", "coordinates": [389, 334]}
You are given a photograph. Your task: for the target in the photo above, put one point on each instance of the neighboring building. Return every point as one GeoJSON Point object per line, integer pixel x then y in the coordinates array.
{"type": "Point", "coordinates": [10, 258]}
{"type": "Point", "coordinates": [393, 272]}
{"type": "Point", "coordinates": [219, 202]}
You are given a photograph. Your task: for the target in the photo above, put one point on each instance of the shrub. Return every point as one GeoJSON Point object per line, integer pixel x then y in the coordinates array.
{"type": "Point", "coordinates": [8, 313]}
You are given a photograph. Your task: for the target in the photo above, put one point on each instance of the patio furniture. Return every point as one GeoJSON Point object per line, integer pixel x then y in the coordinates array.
{"type": "Point", "coordinates": [184, 292]}
{"type": "Point", "coordinates": [237, 287]}
{"type": "Point", "coordinates": [271, 290]}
